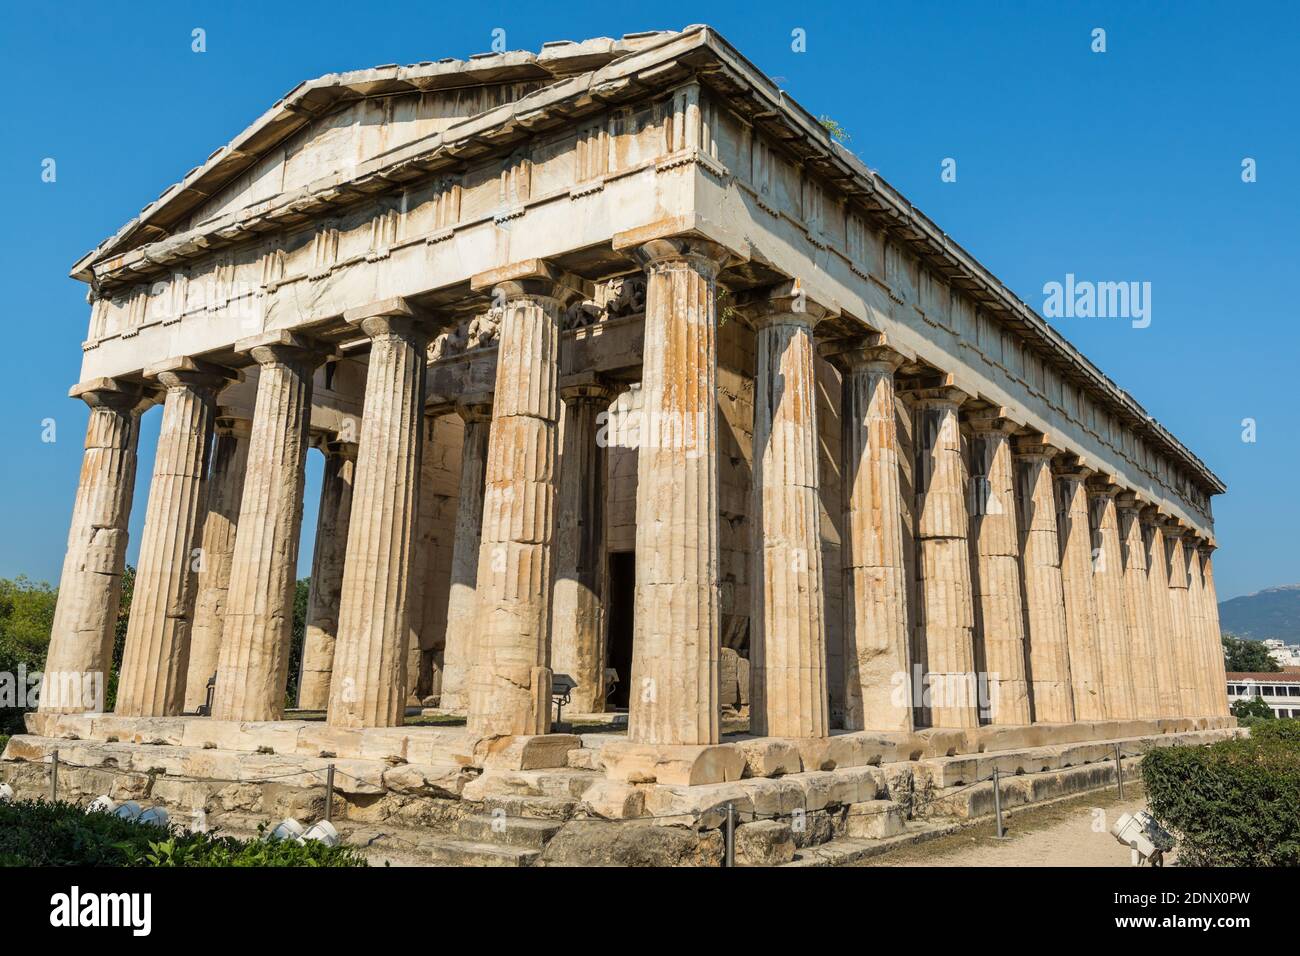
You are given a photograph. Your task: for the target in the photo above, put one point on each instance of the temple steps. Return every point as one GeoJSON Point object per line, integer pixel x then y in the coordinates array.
{"type": "Point", "coordinates": [500, 830]}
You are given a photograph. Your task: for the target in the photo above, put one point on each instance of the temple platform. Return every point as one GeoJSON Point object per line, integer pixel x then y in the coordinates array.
{"type": "Point", "coordinates": [448, 797]}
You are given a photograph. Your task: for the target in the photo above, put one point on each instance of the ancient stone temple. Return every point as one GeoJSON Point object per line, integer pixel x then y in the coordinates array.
{"type": "Point", "coordinates": [624, 372]}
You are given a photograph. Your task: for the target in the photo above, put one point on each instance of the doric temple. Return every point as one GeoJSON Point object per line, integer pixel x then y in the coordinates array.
{"type": "Point", "coordinates": [626, 376]}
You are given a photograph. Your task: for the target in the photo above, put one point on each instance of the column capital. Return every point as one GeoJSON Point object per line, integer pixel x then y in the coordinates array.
{"type": "Point", "coordinates": [1071, 467]}
{"type": "Point", "coordinates": [940, 395]}
{"type": "Point", "coordinates": [655, 252]}
{"type": "Point", "coordinates": [990, 421]}
{"type": "Point", "coordinates": [868, 351]}
{"type": "Point", "coordinates": [1032, 444]}
{"type": "Point", "coordinates": [114, 393]}
{"type": "Point", "coordinates": [530, 279]}
{"type": "Point", "coordinates": [282, 346]}
{"type": "Point", "coordinates": [395, 316]}
{"type": "Point", "coordinates": [235, 423]}
{"type": "Point", "coordinates": [196, 374]}
{"type": "Point", "coordinates": [782, 304]}
{"type": "Point", "coordinates": [475, 407]}
{"type": "Point", "coordinates": [334, 448]}
{"type": "Point", "coordinates": [1149, 515]}
{"type": "Point", "coordinates": [1101, 485]}
{"type": "Point", "coordinates": [586, 386]}
{"type": "Point", "coordinates": [1129, 501]}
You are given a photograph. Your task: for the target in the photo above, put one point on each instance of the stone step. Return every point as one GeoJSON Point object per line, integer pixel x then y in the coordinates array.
{"type": "Point", "coordinates": [455, 852]}
{"type": "Point", "coordinates": [509, 831]}
{"type": "Point", "coordinates": [525, 805]}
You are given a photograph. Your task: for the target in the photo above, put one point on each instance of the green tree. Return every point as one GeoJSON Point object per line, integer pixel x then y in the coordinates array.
{"type": "Point", "coordinates": [1252, 707]}
{"type": "Point", "coordinates": [1245, 656]}
{"type": "Point", "coordinates": [301, 592]}
{"type": "Point", "coordinates": [26, 616]}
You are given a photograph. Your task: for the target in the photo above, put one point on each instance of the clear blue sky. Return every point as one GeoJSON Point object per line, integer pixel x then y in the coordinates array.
{"type": "Point", "coordinates": [1117, 166]}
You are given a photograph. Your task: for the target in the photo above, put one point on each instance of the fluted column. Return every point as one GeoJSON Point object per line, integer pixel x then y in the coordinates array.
{"type": "Point", "coordinates": [253, 666]}
{"type": "Point", "coordinates": [368, 687]}
{"type": "Point", "coordinates": [674, 690]}
{"type": "Point", "coordinates": [1184, 642]}
{"type": "Point", "coordinates": [787, 637]}
{"type": "Point", "coordinates": [1220, 701]}
{"type": "Point", "coordinates": [510, 686]}
{"type": "Point", "coordinates": [578, 618]}
{"type": "Point", "coordinates": [1115, 641]}
{"type": "Point", "coordinates": [1181, 624]}
{"type": "Point", "coordinates": [462, 601]}
{"type": "Point", "coordinates": [328, 557]}
{"type": "Point", "coordinates": [1161, 614]}
{"type": "Point", "coordinates": [1137, 609]}
{"type": "Point", "coordinates": [1051, 688]}
{"type": "Point", "coordinates": [156, 659]}
{"type": "Point", "coordinates": [995, 539]}
{"type": "Point", "coordinates": [1076, 578]}
{"type": "Point", "coordinates": [1204, 674]}
{"type": "Point", "coordinates": [225, 488]}
{"type": "Point", "coordinates": [85, 618]}
{"type": "Point", "coordinates": [875, 578]}
{"type": "Point", "coordinates": [946, 615]}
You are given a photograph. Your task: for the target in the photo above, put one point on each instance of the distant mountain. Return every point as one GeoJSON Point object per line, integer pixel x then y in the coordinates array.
{"type": "Point", "coordinates": [1273, 612]}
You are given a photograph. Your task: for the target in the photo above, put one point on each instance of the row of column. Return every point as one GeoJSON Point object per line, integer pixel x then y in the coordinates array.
{"type": "Point", "coordinates": [1028, 569]}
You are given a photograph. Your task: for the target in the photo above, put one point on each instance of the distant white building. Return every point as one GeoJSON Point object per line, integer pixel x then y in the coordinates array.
{"type": "Point", "coordinates": [1280, 691]}
{"type": "Point", "coordinates": [1286, 655]}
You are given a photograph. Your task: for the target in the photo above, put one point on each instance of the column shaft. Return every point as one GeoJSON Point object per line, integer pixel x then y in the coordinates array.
{"type": "Point", "coordinates": [253, 666]}
{"type": "Point", "coordinates": [225, 489]}
{"type": "Point", "coordinates": [510, 687]}
{"type": "Point", "coordinates": [1161, 617]}
{"type": "Point", "coordinates": [578, 619]}
{"type": "Point", "coordinates": [946, 616]}
{"type": "Point", "coordinates": [1198, 630]}
{"type": "Point", "coordinates": [85, 618]}
{"type": "Point", "coordinates": [1051, 688]}
{"type": "Point", "coordinates": [877, 673]}
{"type": "Point", "coordinates": [156, 659]}
{"type": "Point", "coordinates": [329, 555]}
{"type": "Point", "coordinates": [1137, 611]}
{"type": "Point", "coordinates": [1080, 602]}
{"type": "Point", "coordinates": [788, 636]}
{"type": "Point", "coordinates": [1000, 617]}
{"type": "Point", "coordinates": [1184, 642]}
{"type": "Point", "coordinates": [369, 684]}
{"type": "Point", "coordinates": [458, 658]}
{"type": "Point", "coordinates": [674, 689]}
{"type": "Point", "coordinates": [1112, 618]}
{"type": "Point", "coordinates": [1220, 701]}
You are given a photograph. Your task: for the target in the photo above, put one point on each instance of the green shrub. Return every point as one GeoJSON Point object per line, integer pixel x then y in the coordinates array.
{"type": "Point", "coordinates": [1252, 708]}
{"type": "Point", "coordinates": [1285, 730]}
{"type": "Point", "coordinates": [1233, 803]}
{"type": "Point", "coordinates": [37, 833]}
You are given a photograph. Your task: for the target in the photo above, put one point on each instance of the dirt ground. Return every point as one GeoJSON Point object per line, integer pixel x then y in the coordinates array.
{"type": "Point", "coordinates": [1074, 832]}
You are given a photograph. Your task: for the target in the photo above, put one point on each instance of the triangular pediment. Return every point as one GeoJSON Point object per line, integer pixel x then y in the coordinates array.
{"type": "Point", "coordinates": [327, 127]}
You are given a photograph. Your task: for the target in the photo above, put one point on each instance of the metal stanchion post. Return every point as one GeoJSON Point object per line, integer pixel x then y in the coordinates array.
{"type": "Point", "coordinates": [1119, 772]}
{"type": "Point", "coordinates": [729, 837]}
{"type": "Point", "coordinates": [997, 805]}
{"type": "Point", "coordinates": [54, 776]}
{"type": "Point", "coordinates": [329, 793]}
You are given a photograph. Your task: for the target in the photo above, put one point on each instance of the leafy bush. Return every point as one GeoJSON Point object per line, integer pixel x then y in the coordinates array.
{"type": "Point", "coordinates": [1252, 707]}
{"type": "Point", "coordinates": [1286, 731]}
{"type": "Point", "coordinates": [1233, 803]}
{"type": "Point", "coordinates": [37, 833]}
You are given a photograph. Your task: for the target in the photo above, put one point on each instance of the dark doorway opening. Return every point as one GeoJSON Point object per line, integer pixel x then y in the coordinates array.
{"type": "Point", "coordinates": [622, 599]}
